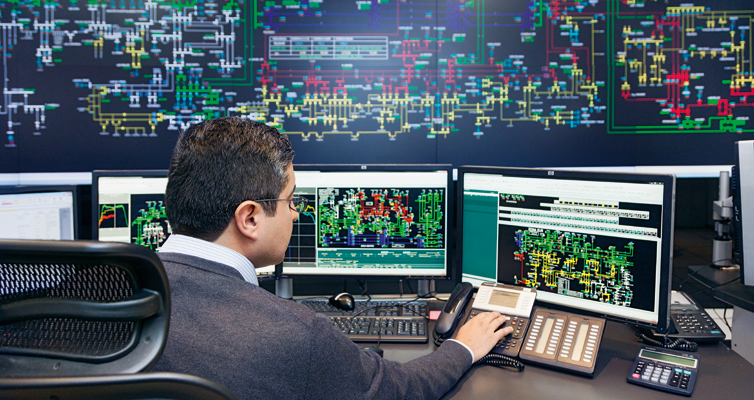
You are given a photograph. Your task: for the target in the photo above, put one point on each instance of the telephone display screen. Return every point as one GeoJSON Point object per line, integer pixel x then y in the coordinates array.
{"type": "Point", "coordinates": [503, 299]}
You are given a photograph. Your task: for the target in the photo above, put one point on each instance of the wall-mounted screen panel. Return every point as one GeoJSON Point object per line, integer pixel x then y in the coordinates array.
{"type": "Point", "coordinates": [524, 83]}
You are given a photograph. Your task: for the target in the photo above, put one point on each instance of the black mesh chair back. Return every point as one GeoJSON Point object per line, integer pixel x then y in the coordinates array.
{"type": "Point", "coordinates": [82, 320]}
{"type": "Point", "coordinates": [78, 308]}
{"type": "Point", "coordinates": [156, 385]}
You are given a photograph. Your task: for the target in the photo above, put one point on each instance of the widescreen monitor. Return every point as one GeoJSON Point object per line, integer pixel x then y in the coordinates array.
{"type": "Point", "coordinates": [129, 206]}
{"type": "Point", "coordinates": [38, 212]}
{"type": "Point", "coordinates": [593, 242]}
{"type": "Point", "coordinates": [377, 221]}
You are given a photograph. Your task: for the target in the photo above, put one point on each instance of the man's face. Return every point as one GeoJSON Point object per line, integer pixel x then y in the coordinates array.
{"type": "Point", "coordinates": [279, 233]}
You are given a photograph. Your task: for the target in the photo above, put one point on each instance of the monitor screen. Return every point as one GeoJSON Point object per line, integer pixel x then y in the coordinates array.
{"type": "Point", "coordinates": [590, 241]}
{"type": "Point", "coordinates": [129, 206]}
{"type": "Point", "coordinates": [38, 212]}
{"type": "Point", "coordinates": [372, 220]}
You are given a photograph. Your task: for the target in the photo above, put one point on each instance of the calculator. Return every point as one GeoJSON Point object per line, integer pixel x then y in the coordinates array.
{"type": "Point", "coordinates": [665, 369]}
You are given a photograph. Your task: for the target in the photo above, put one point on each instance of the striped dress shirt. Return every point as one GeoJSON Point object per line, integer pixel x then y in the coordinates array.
{"type": "Point", "coordinates": [213, 252]}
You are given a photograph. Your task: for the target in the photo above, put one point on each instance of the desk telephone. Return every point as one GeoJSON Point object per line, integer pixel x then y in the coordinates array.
{"type": "Point", "coordinates": [556, 339]}
{"type": "Point", "coordinates": [690, 321]}
{"type": "Point", "coordinates": [512, 301]}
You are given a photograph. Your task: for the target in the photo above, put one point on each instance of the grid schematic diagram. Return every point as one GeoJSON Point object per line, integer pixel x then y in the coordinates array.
{"type": "Point", "coordinates": [149, 226]}
{"type": "Point", "coordinates": [381, 218]}
{"type": "Point", "coordinates": [467, 75]}
{"type": "Point", "coordinates": [571, 264]}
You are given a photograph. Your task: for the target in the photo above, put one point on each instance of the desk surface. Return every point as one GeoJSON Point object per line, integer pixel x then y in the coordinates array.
{"type": "Point", "coordinates": [723, 374]}
{"type": "Point", "coordinates": [713, 277]}
{"type": "Point", "coordinates": [736, 294]}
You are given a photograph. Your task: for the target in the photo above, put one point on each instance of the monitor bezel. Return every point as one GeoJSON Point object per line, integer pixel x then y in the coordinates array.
{"type": "Point", "coordinates": [668, 223]}
{"type": "Point", "coordinates": [30, 189]}
{"type": "Point", "coordinates": [740, 245]}
{"type": "Point", "coordinates": [450, 234]}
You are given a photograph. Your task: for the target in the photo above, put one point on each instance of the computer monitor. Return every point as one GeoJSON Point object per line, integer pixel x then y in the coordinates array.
{"type": "Point", "coordinates": [129, 206]}
{"type": "Point", "coordinates": [375, 221]}
{"type": "Point", "coordinates": [595, 242]}
{"type": "Point", "coordinates": [38, 212]}
{"type": "Point", "coordinates": [743, 209]}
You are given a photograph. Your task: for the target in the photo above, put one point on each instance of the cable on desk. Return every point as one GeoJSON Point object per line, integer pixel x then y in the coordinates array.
{"type": "Point", "coordinates": [364, 290]}
{"type": "Point", "coordinates": [668, 343]}
{"type": "Point", "coordinates": [436, 339]}
{"type": "Point", "coordinates": [500, 361]}
{"type": "Point", "coordinates": [724, 317]}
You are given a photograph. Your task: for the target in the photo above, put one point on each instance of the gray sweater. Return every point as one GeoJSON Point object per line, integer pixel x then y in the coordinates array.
{"type": "Point", "coordinates": [261, 347]}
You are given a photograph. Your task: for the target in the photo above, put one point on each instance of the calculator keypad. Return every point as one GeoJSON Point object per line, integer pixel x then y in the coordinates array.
{"type": "Point", "coordinates": [663, 376]}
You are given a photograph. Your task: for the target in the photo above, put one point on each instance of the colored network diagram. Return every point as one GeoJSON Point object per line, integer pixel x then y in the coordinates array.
{"type": "Point", "coordinates": [149, 226]}
{"type": "Point", "coordinates": [129, 74]}
{"type": "Point", "coordinates": [571, 264]}
{"type": "Point", "coordinates": [380, 218]}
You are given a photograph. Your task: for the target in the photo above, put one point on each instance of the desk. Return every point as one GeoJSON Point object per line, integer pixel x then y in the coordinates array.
{"type": "Point", "coordinates": [711, 276]}
{"type": "Point", "coordinates": [723, 374]}
{"type": "Point", "coordinates": [742, 330]}
{"type": "Point", "coordinates": [727, 289]}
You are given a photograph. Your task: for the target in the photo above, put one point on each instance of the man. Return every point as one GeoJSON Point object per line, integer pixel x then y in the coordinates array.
{"type": "Point", "coordinates": [230, 202]}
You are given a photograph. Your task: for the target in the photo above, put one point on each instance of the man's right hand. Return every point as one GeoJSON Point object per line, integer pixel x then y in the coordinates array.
{"type": "Point", "coordinates": [479, 333]}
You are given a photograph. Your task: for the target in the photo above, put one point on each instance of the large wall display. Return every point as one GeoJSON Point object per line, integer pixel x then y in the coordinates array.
{"type": "Point", "coordinates": [105, 84]}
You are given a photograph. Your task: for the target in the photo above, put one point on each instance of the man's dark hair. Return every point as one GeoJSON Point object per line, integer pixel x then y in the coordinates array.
{"type": "Point", "coordinates": [218, 164]}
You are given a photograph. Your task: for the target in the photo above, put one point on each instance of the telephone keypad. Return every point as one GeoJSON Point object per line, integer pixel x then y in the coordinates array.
{"type": "Point", "coordinates": [511, 344]}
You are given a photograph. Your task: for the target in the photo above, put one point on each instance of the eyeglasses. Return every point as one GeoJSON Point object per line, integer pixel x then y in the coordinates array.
{"type": "Point", "coordinates": [297, 203]}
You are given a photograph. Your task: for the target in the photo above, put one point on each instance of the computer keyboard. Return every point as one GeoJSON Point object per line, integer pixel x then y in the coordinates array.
{"type": "Point", "coordinates": [371, 308]}
{"type": "Point", "coordinates": [384, 329]}
{"type": "Point", "coordinates": [386, 321]}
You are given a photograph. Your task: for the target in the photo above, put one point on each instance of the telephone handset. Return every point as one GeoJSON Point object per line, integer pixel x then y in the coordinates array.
{"type": "Point", "coordinates": [454, 309]}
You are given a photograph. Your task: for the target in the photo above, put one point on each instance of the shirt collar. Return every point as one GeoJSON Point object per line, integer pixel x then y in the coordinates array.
{"type": "Point", "coordinates": [192, 246]}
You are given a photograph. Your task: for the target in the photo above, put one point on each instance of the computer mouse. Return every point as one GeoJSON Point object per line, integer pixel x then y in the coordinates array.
{"type": "Point", "coordinates": [374, 349]}
{"type": "Point", "coordinates": [343, 301]}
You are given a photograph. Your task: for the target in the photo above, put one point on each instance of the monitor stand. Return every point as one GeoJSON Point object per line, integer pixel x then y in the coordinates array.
{"type": "Point", "coordinates": [425, 287]}
{"type": "Point", "coordinates": [284, 287]}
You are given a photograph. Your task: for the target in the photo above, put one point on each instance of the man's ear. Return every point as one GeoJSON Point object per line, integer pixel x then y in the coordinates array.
{"type": "Point", "coordinates": [247, 218]}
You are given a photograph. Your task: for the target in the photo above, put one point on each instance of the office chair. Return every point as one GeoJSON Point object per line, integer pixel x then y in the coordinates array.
{"type": "Point", "coordinates": [78, 319]}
